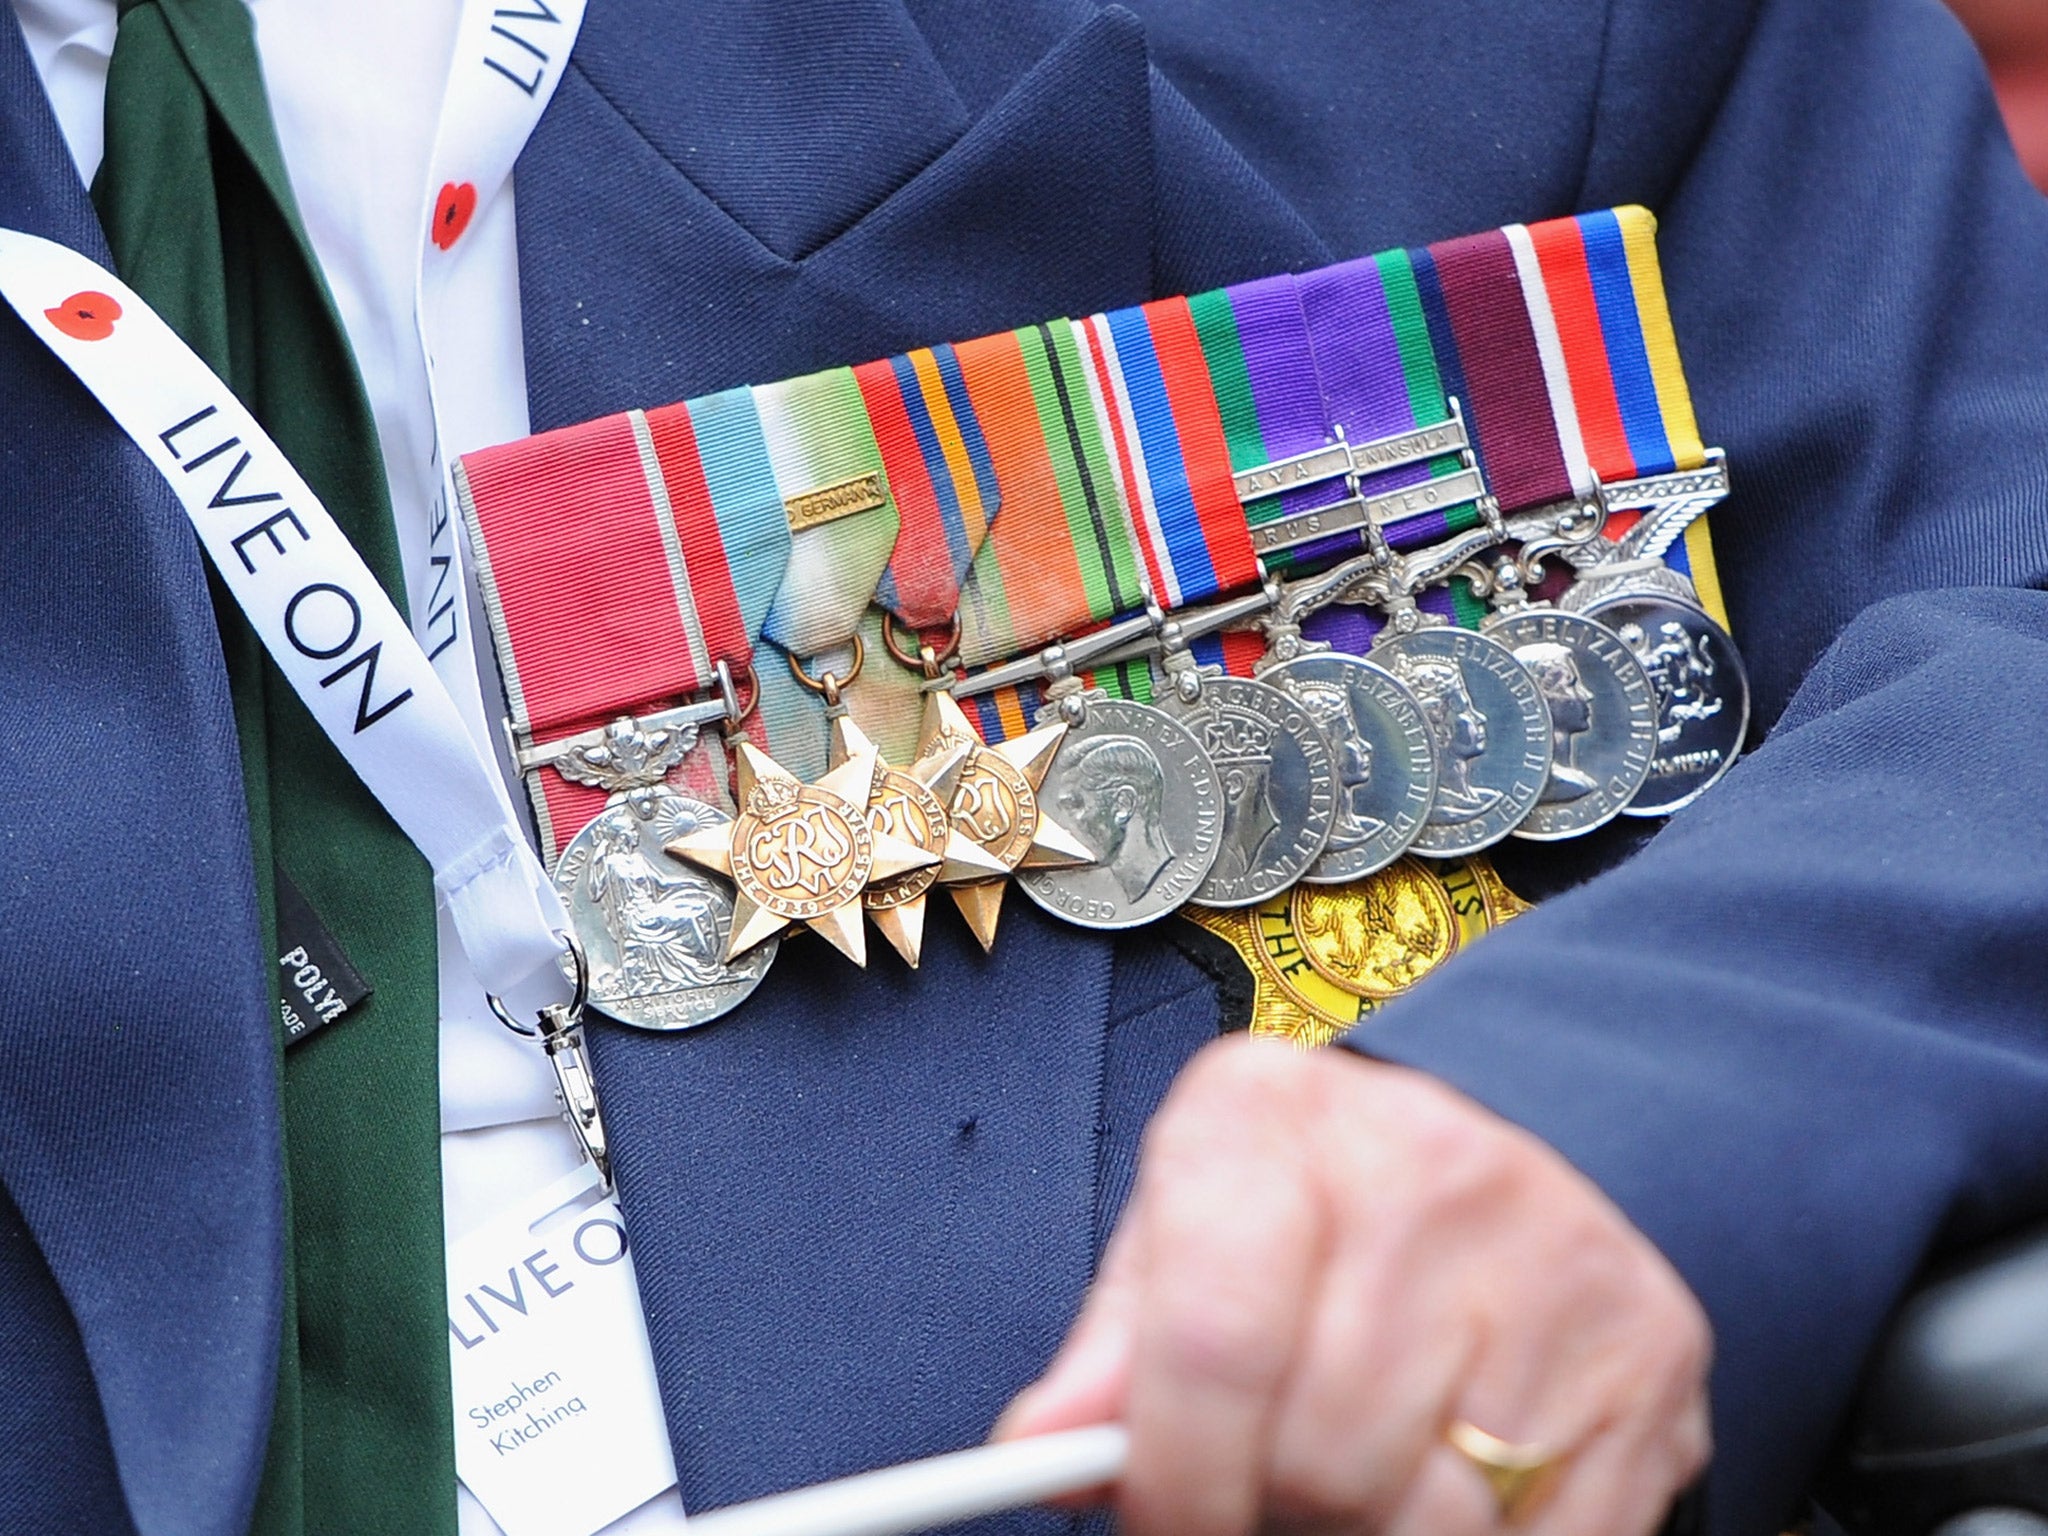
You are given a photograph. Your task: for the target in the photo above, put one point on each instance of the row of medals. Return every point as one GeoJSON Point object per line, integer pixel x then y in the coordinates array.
{"type": "Point", "coordinates": [1289, 808]}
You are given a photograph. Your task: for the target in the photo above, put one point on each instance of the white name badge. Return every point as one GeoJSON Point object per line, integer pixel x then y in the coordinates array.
{"type": "Point", "coordinates": [558, 1422]}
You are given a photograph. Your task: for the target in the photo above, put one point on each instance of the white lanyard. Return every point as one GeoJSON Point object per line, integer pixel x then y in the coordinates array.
{"type": "Point", "coordinates": [508, 59]}
{"type": "Point", "coordinates": [337, 638]}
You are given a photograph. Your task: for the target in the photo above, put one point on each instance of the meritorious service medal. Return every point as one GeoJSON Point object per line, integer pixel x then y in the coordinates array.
{"type": "Point", "coordinates": [996, 804]}
{"type": "Point", "coordinates": [801, 853]}
{"type": "Point", "coordinates": [1603, 717]}
{"type": "Point", "coordinates": [656, 932]}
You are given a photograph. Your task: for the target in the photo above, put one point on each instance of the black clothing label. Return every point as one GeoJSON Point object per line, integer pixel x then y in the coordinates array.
{"type": "Point", "coordinates": [316, 982]}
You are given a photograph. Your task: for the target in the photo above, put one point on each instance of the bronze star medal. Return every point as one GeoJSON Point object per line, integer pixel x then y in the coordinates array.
{"type": "Point", "coordinates": [996, 804]}
{"type": "Point", "coordinates": [801, 853]}
{"type": "Point", "coordinates": [910, 804]}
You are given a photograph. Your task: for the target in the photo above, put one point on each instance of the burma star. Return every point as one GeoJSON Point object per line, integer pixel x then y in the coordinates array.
{"type": "Point", "coordinates": [801, 853]}
{"type": "Point", "coordinates": [996, 805]}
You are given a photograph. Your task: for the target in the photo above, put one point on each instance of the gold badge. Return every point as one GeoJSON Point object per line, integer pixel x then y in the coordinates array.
{"type": "Point", "coordinates": [813, 509]}
{"type": "Point", "coordinates": [801, 853]}
{"type": "Point", "coordinates": [1377, 937]}
{"type": "Point", "coordinates": [995, 803]}
{"type": "Point", "coordinates": [1324, 957]}
{"type": "Point", "coordinates": [909, 804]}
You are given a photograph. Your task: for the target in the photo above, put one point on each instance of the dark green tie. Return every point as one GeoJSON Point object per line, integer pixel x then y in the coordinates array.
{"type": "Point", "coordinates": [200, 216]}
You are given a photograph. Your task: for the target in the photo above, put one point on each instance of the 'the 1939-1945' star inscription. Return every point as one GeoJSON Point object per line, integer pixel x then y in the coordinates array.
{"type": "Point", "coordinates": [910, 804]}
{"type": "Point", "coordinates": [801, 853]}
{"type": "Point", "coordinates": [996, 804]}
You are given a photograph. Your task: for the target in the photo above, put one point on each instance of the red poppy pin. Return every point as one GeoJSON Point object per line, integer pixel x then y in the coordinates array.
{"type": "Point", "coordinates": [86, 316]}
{"type": "Point", "coordinates": [452, 208]}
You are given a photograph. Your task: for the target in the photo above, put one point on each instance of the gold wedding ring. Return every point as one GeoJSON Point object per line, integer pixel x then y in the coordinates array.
{"type": "Point", "coordinates": [1518, 1475]}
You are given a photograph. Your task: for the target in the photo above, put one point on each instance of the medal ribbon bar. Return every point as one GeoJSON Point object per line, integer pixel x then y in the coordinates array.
{"type": "Point", "coordinates": [1387, 420]}
{"type": "Point", "coordinates": [620, 562]}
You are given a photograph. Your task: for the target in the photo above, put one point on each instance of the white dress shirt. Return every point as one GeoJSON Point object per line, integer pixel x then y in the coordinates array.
{"type": "Point", "coordinates": [356, 91]}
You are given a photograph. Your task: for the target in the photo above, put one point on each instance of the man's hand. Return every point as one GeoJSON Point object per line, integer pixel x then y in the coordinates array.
{"type": "Point", "coordinates": [1325, 1264]}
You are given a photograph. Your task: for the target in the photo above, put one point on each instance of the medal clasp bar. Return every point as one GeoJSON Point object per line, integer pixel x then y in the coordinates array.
{"type": "Point", "coordinates": [1195, 623]}
{"type": "Point", "coordinates": [1702, 487]}
{"type": "Point", "coordinates": [1367, 513]}
{"type": "Point", "coordinates": [723, 707]}
{"type": "Point", "coordinates": [1069, 655]}
{"type": "Point", "coordinates": [1340, 459]}
{"type": "Point", "coordinates": [827, 504]}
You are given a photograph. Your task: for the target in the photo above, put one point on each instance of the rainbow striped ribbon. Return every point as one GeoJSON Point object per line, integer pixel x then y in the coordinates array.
{"type": "Point", "coordinates": [620, 561]}
{"type": "Point", "coordinates": [826, 457]}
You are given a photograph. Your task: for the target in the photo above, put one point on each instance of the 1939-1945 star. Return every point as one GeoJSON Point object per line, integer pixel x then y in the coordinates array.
{"type": "Point", "coordinates": [801, 852]}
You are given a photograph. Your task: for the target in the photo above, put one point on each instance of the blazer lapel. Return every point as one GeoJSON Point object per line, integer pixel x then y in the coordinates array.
{"type": "Point", "coordinates": [638, 286]}
{"type": "Point", "coordinates": [138, 1112]}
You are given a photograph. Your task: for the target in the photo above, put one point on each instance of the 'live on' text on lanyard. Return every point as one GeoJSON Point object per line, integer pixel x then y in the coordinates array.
{"type": "Point", "coordinates": [384, 696]}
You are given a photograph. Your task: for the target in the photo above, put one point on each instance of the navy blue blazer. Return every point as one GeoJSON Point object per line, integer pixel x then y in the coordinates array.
{"type": "Point", "coordinates": [1801, 1036]}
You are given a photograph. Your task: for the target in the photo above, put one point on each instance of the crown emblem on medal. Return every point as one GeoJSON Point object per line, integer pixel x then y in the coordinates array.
{"type": "Point", "coordinates": [1325, 702]}
{"type": "Point", "coordinates": [772, 796]}
{"type": "Point", "coordinates": [1231, 738]}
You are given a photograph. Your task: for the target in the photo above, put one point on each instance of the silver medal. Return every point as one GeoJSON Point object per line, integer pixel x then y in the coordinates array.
{"type": "Point", "coordinates": [653, 927]}
{"type": "Point", "coordinates": [1702, 694]}
{"type": "Point", "coordinates": [1134, 785]}
{"type": "Point", "coordinates": [1490, 729]}
{"type": "Point", "coordinates": [1275, 772]}
{"type": "Point", "coordinates": [1386, 767]}
{"type": "Point", "coordinates": [1603, 717]}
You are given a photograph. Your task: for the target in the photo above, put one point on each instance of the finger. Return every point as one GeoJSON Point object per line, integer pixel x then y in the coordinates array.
{"type": "Point", "coordinates": [1229, 1241]}
{"type": "Point", "coordinates": [1088, 1378]}
{"type": "Point", "coordinates": [1446, 1497]}
{"type": "Point", "coordinates": [1339, 1454]}
{"type": "Point", "coordinates": [1627, 1479]}
{"type": "Point", "coordinates": [1619, 1484]}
